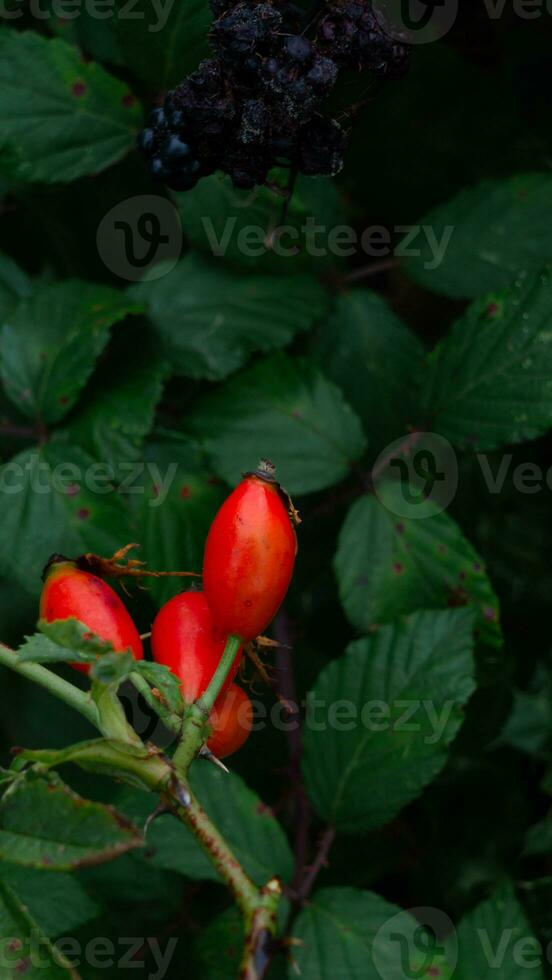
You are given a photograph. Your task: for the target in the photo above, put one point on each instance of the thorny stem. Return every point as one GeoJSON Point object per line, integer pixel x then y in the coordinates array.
{"type": "Point", "coordinates": [60, 688]}
{"type": "Point", "coordinates": [128, 755]}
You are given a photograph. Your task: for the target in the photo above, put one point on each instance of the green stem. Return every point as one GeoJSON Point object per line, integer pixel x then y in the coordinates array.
{"type": "Point", "coordinates": [196, 715]}
{"type": "Point", "coordinates": [111, 714]}
{"type": "Point", "coordinates": [207, 700]}
{"type": "Point", "coordinates": [60, 688]}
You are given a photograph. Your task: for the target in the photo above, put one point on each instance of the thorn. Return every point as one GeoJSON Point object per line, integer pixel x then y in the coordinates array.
{"type": "Point", "coordinates": [181, 792]}
{"type": "Point", "coordinates": [158, 812]}
{"type": "Point", "coordinates": [145, 636]}
{"type": "Point", "coordinates": [205, 753]}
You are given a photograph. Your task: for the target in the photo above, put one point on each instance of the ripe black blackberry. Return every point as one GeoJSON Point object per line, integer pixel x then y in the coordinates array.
{"type": "Point", "coordinates": [258, 101]}
{"type": "Point", "coordinates": [357, 37]}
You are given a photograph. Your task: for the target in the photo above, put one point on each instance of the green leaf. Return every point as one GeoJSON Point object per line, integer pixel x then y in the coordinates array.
{"type": "Point", "coordinates": [346, 932]}
{"type": "Point", "coordinates": [60, 118]}
{"type": "Point", "coordinates": [490, 379]}
{"type": "Point", "coordinates": [387, 566]}
{"type": "Point", "coordinates": [65, 640]}
{"type": "Point", "coordinates": [46, 825]}
{"type": "Point", "coordinates": [14, 285]}
{"type": "Point", "coordinates": [494, 231]}
{"type": "Point", "coordinates": [497, 940]}
{"type": "Point", "coordinates": [209, 320]}
{"type": "Point", "coordinates": [538, 839]}
{"type": "Point", "coordinates": [159, 676]}
{"type": "Point", "coordinates": [96, 37]}
{"type": "Point", "coordinates": [118, 410]}
{"type": "Point", "coordinates": [383, 716]}
{"type": "Point", "coordinates": [35, 908]}
{"type": "Point", "coordinates": [50, 342]}
{"type": "Point", "coordinates": [56, 901]}
{"type": "Point", "coordinates": [284, 409]}
{"type": "Point", "coordinates": [53, 501]}
{"type": "Point", "coordinates": [219, 947]}
{"type": "Point", "coordinates": [250, 829]}
{"type": "Point", "coordinates": [178, 502]}
{"type": "Point", "coordinates": [161, 43]}
{"type": "Point", "coordinates": [221, 220]}
{"type": "Point", "coordinates": [376, 360]}
{"type": "Point", "coordinates": [528, 727]}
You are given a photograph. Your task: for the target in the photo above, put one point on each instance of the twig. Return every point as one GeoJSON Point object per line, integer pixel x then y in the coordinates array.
{"type": "Point", "coordinates": [302, 808]}
{"type": "Point", "coordinates": [403, 449]}
{"type": "Point", "coordinates": [356, 275]}
{"type": "Point", "coordinates": [17, 431]}
{"type": "Point", "coordinates": [320, 861]}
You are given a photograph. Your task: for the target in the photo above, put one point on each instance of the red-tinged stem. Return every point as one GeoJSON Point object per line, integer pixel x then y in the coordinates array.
{"type": "Point", "coordinates": [320, 862]}
{"type": "Point", "coordinates": [302, 808]}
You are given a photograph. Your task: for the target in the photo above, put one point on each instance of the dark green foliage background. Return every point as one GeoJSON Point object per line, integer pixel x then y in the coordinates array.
{"type": "Point", "coordinates": [319, 364]}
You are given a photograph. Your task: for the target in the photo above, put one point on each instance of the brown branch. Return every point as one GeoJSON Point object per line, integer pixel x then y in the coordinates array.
{"type": "Point", "coordinates": [403, 449]}
{"type": "Point", "coordinates": [320, 862]}
{"type": "Point", "coordinates": [18, 431]}
{"type": "Point", "coordinates": [302, 809]}
{"type": "Point", "coordinates": [356, 275]}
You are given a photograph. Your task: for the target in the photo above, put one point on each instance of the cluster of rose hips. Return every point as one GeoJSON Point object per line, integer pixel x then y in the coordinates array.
{"type": "Point", "coordinates": [249, 558]}
{"type": "Point", "coordinates": [259, 101]}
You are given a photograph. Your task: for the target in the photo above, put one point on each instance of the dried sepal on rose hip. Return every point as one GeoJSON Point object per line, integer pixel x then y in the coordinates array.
{"type": "Point", "coordinates": [72, 593]}
{"type": "Point", "coordinates": [250, 555]}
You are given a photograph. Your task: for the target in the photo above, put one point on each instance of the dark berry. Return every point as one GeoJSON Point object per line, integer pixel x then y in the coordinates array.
{"type": "Point", "coordinates": [323, 74]}
{"type": "Point", "coordinates": [177, 119]}
{"type": "Point", "coordinates": [174, 152]}
{"type": "Point", "coordinates": [156, 118]}
{"type": "Point", "coordinates": [157, 168]}
{"type": "Point", "coordinates": [299, 49]}
{"type": "Point", "coordinates": [146, 140]}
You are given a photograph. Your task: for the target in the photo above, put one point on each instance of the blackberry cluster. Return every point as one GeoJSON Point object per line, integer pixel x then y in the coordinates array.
{"type": "Point", "coordinates": [356, 37]}
{"type": "Point", "coordinates": [257, 103]}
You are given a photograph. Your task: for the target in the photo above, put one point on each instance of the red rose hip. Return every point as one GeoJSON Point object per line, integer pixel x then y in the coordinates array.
{"type": "Point", "coordinates": [69, 593]}
{"type": "Point", "coordinates": [231, 721]}
{"type": "Point", "coordinates": [249, 556]}
{"type": "Point", "coordinates": [183, 638]}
